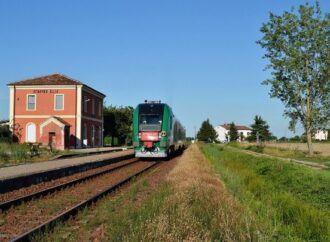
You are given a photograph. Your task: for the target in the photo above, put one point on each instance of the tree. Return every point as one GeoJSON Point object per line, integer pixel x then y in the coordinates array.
{"type": "Point", "coordinates": [118, 123]}
{"type": "Point", "coordinates": [207, 133]}
{"type": "Point", "coordinates": [298, 48]}
{"type": "Point", "coordinates": [261, 128]}
{"type": "Point", "coordinates": [233, 133]}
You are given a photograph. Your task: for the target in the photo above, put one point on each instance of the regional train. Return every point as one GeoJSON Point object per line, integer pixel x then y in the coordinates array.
{"type": "Point", "coordinates": [157, 133]}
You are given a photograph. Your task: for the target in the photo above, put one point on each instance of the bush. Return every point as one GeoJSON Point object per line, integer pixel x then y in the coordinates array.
{"type": "Point", "coordinates": [256, 148]}
{"type": "Point", "coordinates": [108, 141]}
{"type": "Point", "coordinates": [4, 155]}
{"type": "Point", "coordinates": [5, 140]}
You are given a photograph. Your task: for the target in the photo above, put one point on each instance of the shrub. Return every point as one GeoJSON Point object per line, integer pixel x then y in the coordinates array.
{"type": "Point", "coordinates": [256, 148]}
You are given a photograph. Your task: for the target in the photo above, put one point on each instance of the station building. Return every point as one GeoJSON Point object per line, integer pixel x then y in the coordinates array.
{"type": "Point", "coordinates": [56, 110]}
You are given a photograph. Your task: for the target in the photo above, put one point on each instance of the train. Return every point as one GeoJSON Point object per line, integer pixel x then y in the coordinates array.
{"type": "Point", "coordinates": [157, 133]}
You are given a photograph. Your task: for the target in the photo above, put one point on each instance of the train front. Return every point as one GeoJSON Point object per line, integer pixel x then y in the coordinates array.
{"type": "Point", "coordinates": [150, 129]}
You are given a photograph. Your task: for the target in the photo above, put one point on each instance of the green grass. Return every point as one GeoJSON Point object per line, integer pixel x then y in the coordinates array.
{"type": "Point", "coordinates": [293, 201]}
{"type": "Point", "coordinates": [13, 154]}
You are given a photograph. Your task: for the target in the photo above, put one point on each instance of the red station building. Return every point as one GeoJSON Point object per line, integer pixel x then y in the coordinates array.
{"type": "Point", "coordinates": [56, 110]}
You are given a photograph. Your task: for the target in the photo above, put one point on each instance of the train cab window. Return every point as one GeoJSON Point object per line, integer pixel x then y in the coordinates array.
{"type": "Point", "coordinates": [150, 117]}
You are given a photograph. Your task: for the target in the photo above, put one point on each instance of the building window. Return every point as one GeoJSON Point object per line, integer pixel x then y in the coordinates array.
{"type": "Point", "coordinates": [93, 106]}
{"type": "Point", "coordinates": [31, 102]}
{"type": "Point", "coordinates": [85, 104]}
{"type": "Point", "coordinates": [93, 136]}
{"type": "Point", "coordinates": [100, 109]}
{"type": "Point", "coordinates": [85, 131]}
{"type": "Point", "coordinates": [59, 102]}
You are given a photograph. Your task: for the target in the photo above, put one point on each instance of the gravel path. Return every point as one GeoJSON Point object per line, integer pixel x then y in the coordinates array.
{"type": "Point", "coordinates": [309, 164]}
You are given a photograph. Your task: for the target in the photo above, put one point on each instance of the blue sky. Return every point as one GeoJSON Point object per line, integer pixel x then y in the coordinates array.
{"type": "Point", "coordinates": [200, 57]}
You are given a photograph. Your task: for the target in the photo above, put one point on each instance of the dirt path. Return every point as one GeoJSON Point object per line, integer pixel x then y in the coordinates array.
{"type": "Point", "coordinates": [309, 164]}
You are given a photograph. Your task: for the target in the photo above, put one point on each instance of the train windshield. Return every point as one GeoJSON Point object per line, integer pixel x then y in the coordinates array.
{"type": "Point", "coordinates": [150, 117]}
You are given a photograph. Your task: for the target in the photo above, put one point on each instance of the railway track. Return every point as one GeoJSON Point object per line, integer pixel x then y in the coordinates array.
{"type": "Point", "coordinates": [17, 200]}
{"type": "Point", "coordinates": [44, 208]}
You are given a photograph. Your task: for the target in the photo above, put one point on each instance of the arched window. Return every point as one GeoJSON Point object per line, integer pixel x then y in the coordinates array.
{"type": "Point", "coordinates": [30, 133]}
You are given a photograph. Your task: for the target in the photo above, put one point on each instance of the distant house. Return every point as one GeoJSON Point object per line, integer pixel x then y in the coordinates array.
{"type": "Point", "coordinates": [223, 130]}
{"type": "Point", "coordinates": [321, 135]}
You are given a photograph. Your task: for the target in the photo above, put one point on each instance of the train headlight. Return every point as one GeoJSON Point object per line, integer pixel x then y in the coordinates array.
{"type": "Point", "coordinates": [140, 135]}
{"type": "Point", "coordinates": [163, 134]}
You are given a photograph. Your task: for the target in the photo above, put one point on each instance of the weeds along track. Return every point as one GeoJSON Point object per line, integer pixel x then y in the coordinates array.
{"type": "Point", "coordinates": [25, 216]}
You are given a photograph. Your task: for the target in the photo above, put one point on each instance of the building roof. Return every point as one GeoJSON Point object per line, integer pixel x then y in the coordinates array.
{"type": "Point", "coordinates": [53, 79]}
{"type": "Point", "coordinates": [238, 127]}
{"type": "Point", "coordinates": [61, 120]}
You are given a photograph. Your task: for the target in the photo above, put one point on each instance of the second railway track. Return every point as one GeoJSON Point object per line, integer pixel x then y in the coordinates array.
{"type": "Point", "coordinates": [27, 215]}
{"type": "Point", "coordinates": [19, 196]}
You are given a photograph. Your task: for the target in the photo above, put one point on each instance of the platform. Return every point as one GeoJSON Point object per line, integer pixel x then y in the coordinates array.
{"type": "Point", "coordinates": [14, 177]}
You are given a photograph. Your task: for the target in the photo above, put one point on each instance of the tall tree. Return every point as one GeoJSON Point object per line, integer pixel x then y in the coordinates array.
{"type": "Point", "coordinates": [206, 132]}
{"type": "Point", "coordinates": [260, 128]}
{"type": "Point", "coordinates": [233, 133]}
{"type": "Point", "coordinates": [297, 45]}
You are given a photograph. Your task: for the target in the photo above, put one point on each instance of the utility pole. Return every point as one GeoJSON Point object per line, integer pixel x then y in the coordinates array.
{"type": "Point", "coordinates": [258, 138]}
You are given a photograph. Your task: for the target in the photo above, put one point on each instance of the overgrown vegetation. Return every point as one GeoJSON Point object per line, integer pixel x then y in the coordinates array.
{"type": "Point", "coordinates": [13, 153]}
{"type": "Point", "coordinates": [292, 201]}
{"type": "Point", "coordinates": [286, 153]}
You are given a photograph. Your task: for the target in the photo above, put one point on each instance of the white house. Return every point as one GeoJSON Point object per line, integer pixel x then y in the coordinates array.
{"type": "Point", "coordinates": [321, 135]}
{"type": "Point", "coordinates": [223, 130]}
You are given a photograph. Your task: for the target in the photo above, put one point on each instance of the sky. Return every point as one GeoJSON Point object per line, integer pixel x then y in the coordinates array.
{"type": "Point", "coordinates": [199, 56]}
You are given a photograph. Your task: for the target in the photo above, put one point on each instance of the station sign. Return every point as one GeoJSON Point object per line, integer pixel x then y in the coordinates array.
{"type": "Point", "coordinates": [45, 91]}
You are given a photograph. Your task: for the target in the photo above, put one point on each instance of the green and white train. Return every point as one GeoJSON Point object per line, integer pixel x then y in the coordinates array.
{"type": "Point", "coordinates": [156, 131]}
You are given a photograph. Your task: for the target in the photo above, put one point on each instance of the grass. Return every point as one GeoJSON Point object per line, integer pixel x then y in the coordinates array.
{"type": "Point", "coordinates": [293, 153]}
{"type": "Point", "coordinates": [13, 154]}
{"type": "Point", "coordinates": [290, 200]}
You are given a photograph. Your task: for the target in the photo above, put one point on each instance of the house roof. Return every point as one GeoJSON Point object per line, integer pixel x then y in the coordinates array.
{"type": "Point", "coordinates": [61, 120]}
{"type": "Point", "coordinates": [53, 79]}
{"type": "Point", "coordinates": [238, 127]}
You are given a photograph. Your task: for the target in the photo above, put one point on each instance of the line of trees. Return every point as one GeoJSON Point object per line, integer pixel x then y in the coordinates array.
{"type": "Point", "coordinates": [260, 132]}
{"type": "Point", "coordinates": [118, 125]}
